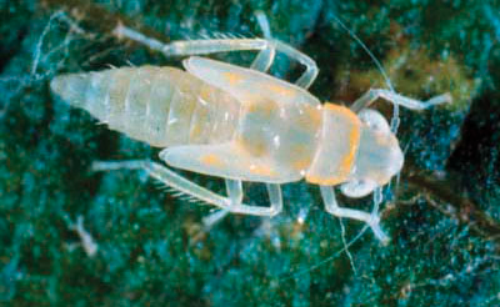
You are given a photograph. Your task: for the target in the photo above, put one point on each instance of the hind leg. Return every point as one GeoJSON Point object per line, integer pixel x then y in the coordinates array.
{"type": "Point", "coordinates": [232, 203]}
{"type": "Point", "coordinates": [263, 61]}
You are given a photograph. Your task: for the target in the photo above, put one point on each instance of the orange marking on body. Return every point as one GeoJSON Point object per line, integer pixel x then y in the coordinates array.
{"type": "Point", "coordinates": [314, 115]}
{"type": "Point", "coordinates": [257, 147]}
{"type": "Point", "coordinates": [232, 78]}
{"type": "Point", "coordinates": [263, 107]}
{"type": "Point", "coordinates": [309, 118]}
{"type": "Point", "coordinates": [212, 160]}
{"type": "Point", "coordinates": [354, 135]}
{"type": "Point", "coordinates": [339, 173]}
{"type": "Point", "coordinates": [262, 170]}
{"type": "Point", "coordinates": [302, 157]}
{"type": "Point", "coordinates": [301, 164]}
{"type": "Point", "coordinates": [348, 160]}
{"type": "Point", "coordinates": [325, 181]}
{"type": "Point", "coordinates": [343, 110]}
{"type": "Point", "coordinates": [282, 90]}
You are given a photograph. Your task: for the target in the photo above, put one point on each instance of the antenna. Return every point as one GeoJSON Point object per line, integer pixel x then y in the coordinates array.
{"type": "Point", "coordinates": [395, 113]}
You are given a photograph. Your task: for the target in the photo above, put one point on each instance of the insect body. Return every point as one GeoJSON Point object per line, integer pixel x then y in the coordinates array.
{"type": "Point", "coordinates": [243, 125]}
{"type": "Point", "coordinates": [224, 120]}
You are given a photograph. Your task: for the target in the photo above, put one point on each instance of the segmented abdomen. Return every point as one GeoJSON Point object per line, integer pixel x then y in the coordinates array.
{"type": "Point", "coordinates": [162, 106]}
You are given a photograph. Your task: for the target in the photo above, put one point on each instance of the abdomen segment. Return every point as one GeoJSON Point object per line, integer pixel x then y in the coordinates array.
{"type": "Point", "coordinates": [162, 106]}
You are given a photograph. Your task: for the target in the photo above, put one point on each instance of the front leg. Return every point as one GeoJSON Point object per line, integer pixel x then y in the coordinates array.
{"type": "Point", "coordinates": [332, 207]}
{"type": "Point", "coordinates": [372, 95]}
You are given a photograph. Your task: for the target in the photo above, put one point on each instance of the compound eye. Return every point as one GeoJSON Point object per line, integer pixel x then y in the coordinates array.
{"type": "Point", "coordinates": [358, 188]}
{"type": "Point", "coordinates": [374, 120]}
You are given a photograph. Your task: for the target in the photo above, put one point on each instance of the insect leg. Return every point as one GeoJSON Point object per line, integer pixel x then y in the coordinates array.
{"type": "Point", "coordinates": [396, 99]}
{"type": "Point", "coordinates": [235, 193]}
{"type": "Point", "coordinates": [265, 58]}
{"type": "Point", "coordinates": [206, 46]}
{"type": "Point", "coordinates": [261, 63]}
{"type": "Point", "coordinates": [166, 176]}
{"type": "Point", "coordinates": [190, 188]}
{"type": "Point", "coordinates": [307, 78]}
{"type": "Point", "coordinates": [331, 206]}
{"type": "Point", "coordinates": [192, 47]}
{"type": "Point", "coordinates": [275, 197]}
{"type": "Point", "coordinates": [311, 72]}
{"type": "Point", "coordinates": [234, 190]}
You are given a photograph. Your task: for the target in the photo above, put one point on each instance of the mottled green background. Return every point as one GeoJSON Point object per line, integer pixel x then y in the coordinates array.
{"type": "Point", "coordinates": [443, 215]}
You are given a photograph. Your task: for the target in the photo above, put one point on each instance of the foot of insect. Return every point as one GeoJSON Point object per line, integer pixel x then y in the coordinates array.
{"type": "Point", "coordinates": [371, 219]}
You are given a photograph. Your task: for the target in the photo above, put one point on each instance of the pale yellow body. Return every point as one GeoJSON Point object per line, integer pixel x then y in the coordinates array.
{"type": "Point", "coordinates": [223, 120]}
{"type": "Point", "coordinates": [244, 125]}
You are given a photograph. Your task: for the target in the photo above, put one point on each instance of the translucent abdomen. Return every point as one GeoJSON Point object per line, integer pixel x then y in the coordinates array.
{"type": "Point", "coordinates": [162, 106]}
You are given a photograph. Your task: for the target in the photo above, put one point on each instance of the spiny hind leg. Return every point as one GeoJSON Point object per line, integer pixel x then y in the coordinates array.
{"type": "Point", "coordinates": [371, 219]}
{"type": "Point", "coordinates": [226, 161]}
{"type": "Point", "coordinates": [263, 61]}
{"type": "Point", "coordinates": [373, 94]}
{"type": "Point", "coordinates": [163, 174]}
{"type": "Point", "coordinates": [166, 176]}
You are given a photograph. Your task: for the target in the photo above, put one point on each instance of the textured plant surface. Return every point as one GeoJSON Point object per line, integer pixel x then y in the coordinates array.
{"type": "Point", "coordinates": [443, 214]}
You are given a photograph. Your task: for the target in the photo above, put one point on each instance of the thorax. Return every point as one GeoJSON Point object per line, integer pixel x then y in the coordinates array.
{"type": "Point", "coordinates": [286, 132]}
